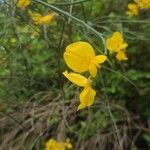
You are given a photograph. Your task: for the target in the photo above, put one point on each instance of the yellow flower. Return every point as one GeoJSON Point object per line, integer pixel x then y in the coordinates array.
{"type": "Point", "coordinates": [143, 4]}
{"type": "Point", "coordinates": [87, 96]}
{"type": "Point", "coordinates": [52, 144]}
{"type": "Point", "coordinates": [133, 10]}
{"type": "Point", "coordinates": [47, 18]}
{"type": "Point", "coordinates": [116, 44]}
{"type": "Point", "coordinates": [42, 20]}
{"type": "Point", "coordinates": [23, 3]}
{"type": "Point", "coordinates": [68, 144]}
{"type": "Point", "coordinates": [80, 57]}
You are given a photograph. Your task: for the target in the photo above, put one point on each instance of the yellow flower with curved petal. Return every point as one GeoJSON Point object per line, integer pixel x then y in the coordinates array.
{"type": "Point", "coordinates": [23, 3]}
{"type": "Point", "coordinates": [143, 4]}
{"type": "Point", "coordinates": [80, 57]}
{"type": "Point", "coordinates": [47, 18]}
{"type": "Point", "coordinates": [116, 44]}
{"type": "Point", "coordinates": [133, 9]}
{"type": "Point", "coordinates": [52, 144]}
{"type": "Point", "coordinates": [77, 79]}
{"type": "Point", "coordinates": [87, 96]}
{"type": "Point", "coordinates": [40, 19]}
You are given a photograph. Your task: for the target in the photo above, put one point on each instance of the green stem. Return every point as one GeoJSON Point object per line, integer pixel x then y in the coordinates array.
{"type": "Point", "coordinates": [56, 9]}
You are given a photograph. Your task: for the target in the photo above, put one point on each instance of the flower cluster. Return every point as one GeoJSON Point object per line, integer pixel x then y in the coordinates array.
{"type": "Point", "coordinates": [80, 57]}
{"type": "Point", "coordinates": [52, 144]}
{"type": "Point", "coordinates": [134, 8]}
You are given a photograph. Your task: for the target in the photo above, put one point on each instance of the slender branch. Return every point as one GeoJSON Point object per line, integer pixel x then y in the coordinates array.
{"type": "Point", "coordinates": [62, 12]}
{"type": "Point", "coordinates": [70, 3]}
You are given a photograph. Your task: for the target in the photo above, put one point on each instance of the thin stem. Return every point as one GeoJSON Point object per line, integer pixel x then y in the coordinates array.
{"type": "Point", "coordinates": [62, 12]}
{"type": "Point", "coordinates": [70, 3]}
{"type": "Point", "coordinates": [132, 83]}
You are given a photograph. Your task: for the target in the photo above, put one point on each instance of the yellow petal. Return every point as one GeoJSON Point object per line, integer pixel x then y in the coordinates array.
{"type": "Point", "coordinates": [23, 3]}
{"type": "Point", "coordinates": [68, 144]}
{"type": "Point", "coordinates": [41, 20]}
{"type": "Point", "coordinates": [76, 79]}
{"type": "Point", "coordinates": [51, 144]}
{"type": "Point", "coordinates": [118, 37]}
{"type": "Point", "coordinates": [143, 4]}
{"type": "Point", "coordinates": [133, 9]}
{"type": "Point", "coordinates": [110, 44]}
{"type": "Point", "coordinates": [87, 97]}
{"type": "Point", "coordinates": [99, 59]}
{"type": "Point", "coordinates": [93, 70]}
{"type": "Point", "coordinates": [76, 63]}
{"type": "Point", "coordinates": [121, 47]}
{"type": "Point", "coordinates": [121, 56]}
{"type": "Point", "coordinates": [78, 56]}
{"type": "Point", "coordinates": [114, 41]}
{"type": "Point", "coordinates": [47, 18]}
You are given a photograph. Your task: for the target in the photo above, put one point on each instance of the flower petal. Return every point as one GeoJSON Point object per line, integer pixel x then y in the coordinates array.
{"type": "Point", "coordinates": [121, 47]}
{"type": "Point", "coordinates": [133, 9]}
{"type": "Point", "coordinates": [78, 56]}
{"type": "Point", "coordinates": [93, 70]}
{"type": "Point", "coordinates": [76, 63]}
{"type": "Point", "coordinates": [23, 3]}
{"type": "Point", "coordinates": [121, 56]}
{"type": "Point", "coordinates": [87, 97]}
{"type": "Point", "coordinates": [114, 41]}
{"type": "Point", "coordinates": [76, 79]}
{"type": "Point", "coordinates": [99, 59]}
{"type": "Point", "coordinates": [110, 44]}
{"type": "Point", "coordinates": [118, 38]}
{"type": "Point", "coordinates": [47, 18]}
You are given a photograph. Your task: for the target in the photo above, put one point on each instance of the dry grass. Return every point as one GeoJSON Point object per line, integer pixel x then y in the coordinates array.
{"type": "Point", "coordinates": [30, 123]}
{"type": "Point", "coordinates": [29, 126]}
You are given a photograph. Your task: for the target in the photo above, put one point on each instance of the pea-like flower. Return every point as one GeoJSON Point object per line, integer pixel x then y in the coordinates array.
{"type": "Point", "coordinates": [23, 3]}
{"type": "Point", "coordinates": [80, 57]}
{"type": "Point", "coordinates": [133, 9]}
{"type": "Point", "coordinates": [143, 4]}
{"type": "Point", "coordinates": [116, 44]}
{"type": "Point", "coordinates": [52, 144]}
{"type": "Point", "coordinates": [87, 96]}
{"type": "Point", "coordinates": [41, 19]}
